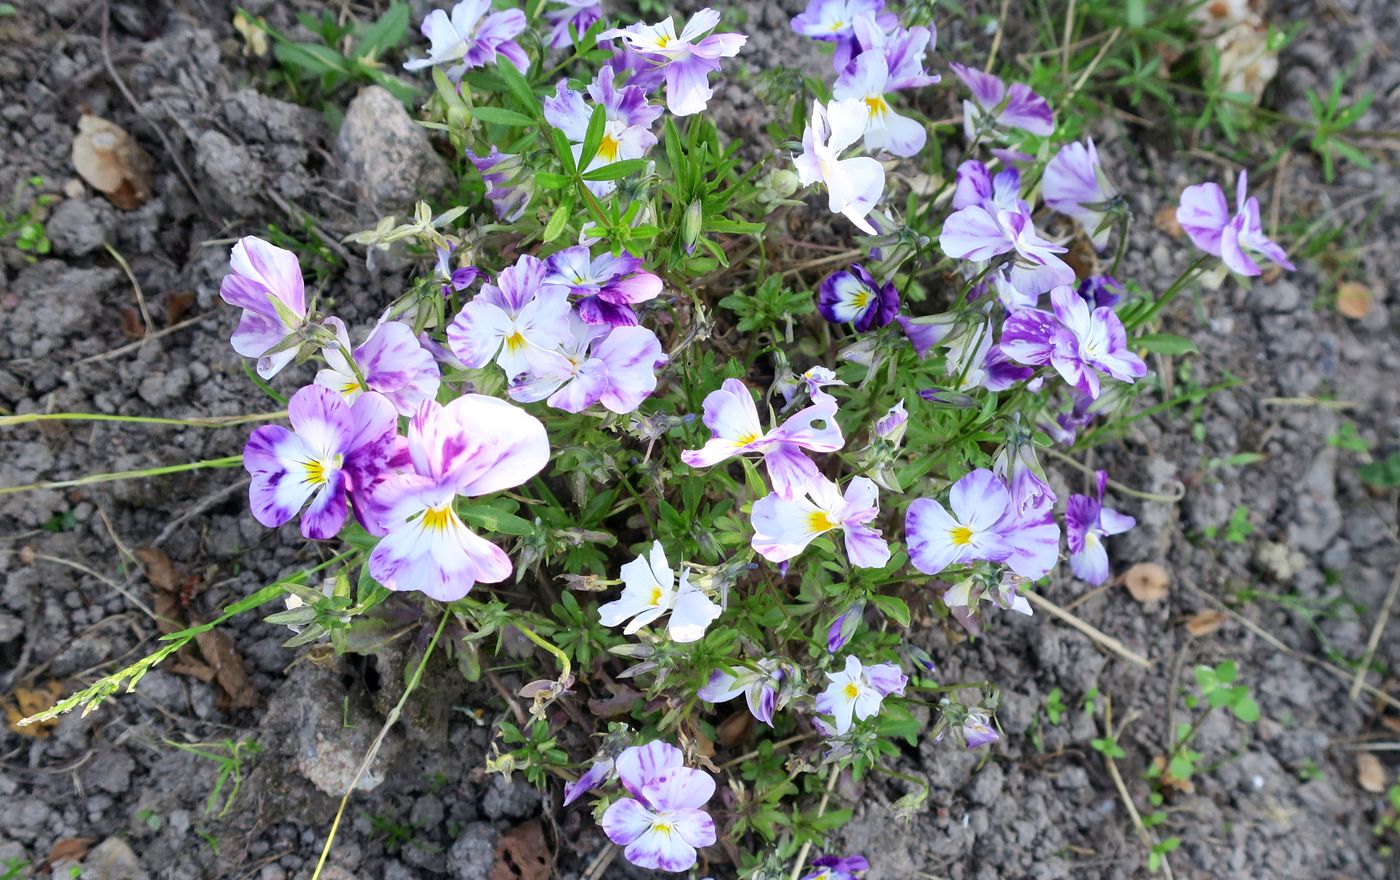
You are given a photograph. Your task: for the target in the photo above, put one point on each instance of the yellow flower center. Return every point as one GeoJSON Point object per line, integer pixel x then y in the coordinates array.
{"type": "Point", "coordinates": [836, 26]}
{"type": "Point", "coordinates": [862, 299]}
{"type": "Point", "coordinates": [656, 594]}
{"type": "Point", "coordinates": [960, 536]}
{"type": "Point", "coordinates": [350, 387]}
{"type": "Point", "coordinates": [818, 521]}
{"type": "Point", "coordinates": [747, 439]}
{"type": "Point", "coordinates": [609, 148]}
{"type": "Point", "coordinates": [318, 470]}
{"type": "Point", "coordinates": [662, 828]}
{"type": "Point", "coordinates": [663, 41]}
{"type": "Point", "coordinates": [877, 105]}
{"type": "Point", "coordinates": [851, 691]}
{"type": "Point", "coordinates": [515, 342]}
{"type": "Point", "coordinates": [437, 519]}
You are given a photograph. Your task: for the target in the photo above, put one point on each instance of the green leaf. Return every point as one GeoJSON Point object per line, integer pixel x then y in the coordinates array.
{"type": "Point", "coordinates": [312, 58]}
{"type": "Point", "coordinates": [1165, 343]}
{"type": "Point", "coordinates": [593, 137]}
{"type": "Point", "coordinates": [502, 116]}
{"type": "Point", "coordinates": [1245, 709]}
{"type": "Point", "coordinates": [493, 519]}
{"type": "Point", "coordinates": [519, 88]}
{"type": "Point", "coordinates": [615, 171]}
{"type": "Point", "coordinates": [387, 32]}
{"type": "Point", "coordinates": [555, 226]}
{"type": "Point", "coordinates": [550, 180]}
{"type": "Point", "coordinates": [892, 607]}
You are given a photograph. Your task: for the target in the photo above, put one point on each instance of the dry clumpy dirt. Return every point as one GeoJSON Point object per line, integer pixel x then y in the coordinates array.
{"type": "Point", "coordinates": [1279, 799]}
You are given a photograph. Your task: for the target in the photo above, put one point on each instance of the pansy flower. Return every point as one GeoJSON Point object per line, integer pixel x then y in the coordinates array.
{"type": "Point", "coordinates": [833, 21]}
{"type": "Point", "coordinates": [1080, 344]}
{"type": "Point", "coordinates": [578, 14]}
{"type": "Point", "coordinates": [938, 538]}
{"type": "Point", "coordinates": [905, 50]}
{"type": "Point", "coordinates": [853, 185]}
{"type": "Point", "coordinates": [472, 36]}
{"type": "Point", "coordinates": [265, 282]}
{"type": "Point", "coordinates": [759, 688]}
{"type": "Point", "coordinates": [1205, 217]}
{"type": "Point", "coordinates": [626, 129]}
{"type": "Point", "coordinates": [1074, 184]}
{"type": "Point", "coordinates": [506, 318]}
{"type": "Point", "coordinates": [454, 280]}
{"type": "Point", "coordinates": [662, 824]}
{"type": "Point", "coordinates": [732, 418]}
{"type": "Point", "coordinates": [597, 773]}
{"type": "Point", "coordinates": [1014, 107]}
{"type": "Point", "coordinates": [650, 590]}
{"type": "Point", "coordinates": [390, 361]}
{"type": "Point", "coordinates": [1087, 523]}
{"type": "Point", "coordinates": [858, 691]}
{"type": "Point", "coordinates": [844, 627]}
{"type": "Point", "coordinates": [688, 58]}
{"type": "Point", "coordinates": [982, 232]}
{"type": "Point", "coordinates": [853, 296]}
{"type": "Point", "coordinates": [608, 286]}
{"type": "Point", "coordinates": [508, 189]}
{"type": "Point", "coordinates": [333, 447]}
{"type": "Point", "coordinates": [473, 446]}
{"type": "Point", "coordinates": [1016, 465]}
{"type": "Point", "coordinates": [838, 868]}
{"type": "Point", "coordinates": [595, 364]}
{"type": "Point", "coordinates": [976, 185]}
{"type": "Point", "coordinates": [868, 80]}
{"type": "Point", "coordinates": [977, 730]}
{"type": "Point", "coordinates": [783, 528]}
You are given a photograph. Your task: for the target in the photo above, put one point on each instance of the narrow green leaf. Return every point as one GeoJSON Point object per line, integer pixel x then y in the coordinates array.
{"type": "Point", "coordinates": [502, 116]}
{"type": "Point", "coordinates": [1165, 343]}
{"type": "Point", "coordinates": [593, 137]}
{"type": "Point", "coordinates": [615, 171]}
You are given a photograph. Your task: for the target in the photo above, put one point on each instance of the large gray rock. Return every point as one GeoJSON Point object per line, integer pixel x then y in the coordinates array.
{"type": "Point", "coordinates": [387, 155]}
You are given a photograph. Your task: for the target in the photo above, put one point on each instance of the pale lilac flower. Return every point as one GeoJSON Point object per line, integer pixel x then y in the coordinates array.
{"type": "Point", "coordinates": [1078, 343]}
{"type": "Point", "coordinates": [964, 597]}
{"type": "Point", "coordinates": [926, 331]}
{"type": "Point", "coordinates": [834, 868]}
{"type": "Point", "coordinates": [391, 361]}
{"type": "Point", "coordinates": [626, 130]}
{"type": "Point", "coordinates": [649, 591]}
{"type": "Point", "coordinates": [1032, 539]}
{"type": "Point", "coordinates": [505, 319]}
{"type": "Point", "coordinates": [976, 185]}
{"type": "Point", "coordinates": [265, 282]}
{"type": "Point", "coordinates": [508, 186]}
{"type": "Point", "coordinates": [1075, 185]}
{"type": "Point", "coordinates": [458, 279]}
{"type": "Point", "coordinates": [473, 446]}
{"type": "Point", "coordinates": [844, 627]}
{"type": "Point", "coordinates": [1087, 523]}
{"type": "Point", "coordinates": [607, 286]}
{"type": "Point", "coordinates": [783, 528]}
{"type": "Point", "coordinates": [813, 380]}
{"type": "Point", "coordinates": [689, 58]}
{"type": "Point", "coordinates": [980, 233]}
{"type": "Point", "coordinates": [1206, 219]}
{"type": "Point", "coordinates": [596, 364]}
{"type": "Point", "coordinates": [858, 690]}
{"type": "Point", "coordinates": [905, 50]}
{"type": "Point", "coordinates": [853, 185]}
{"type": "Point", "coordinates": [758, 686]}
{"type": "Point", "coordinates": [868, 80]}
{"type": "Point", "coordinates": [892, 425]}
{"type": "Point", "coordinates": [833, 21]}
{"type": "Point", "coordinates": [938, 539]}
{"type": "Point", "coordinates": [662, 824]}
{"type": "Point", "coordinates": [853, 296]}
{"type": "Point", "coordinates": [333, 447]}
{"type": "Point", "coordinates": [597, 773]}
{"type": "Point", "coordinates": [977, 730]}
{"type": "Point", "coordinates": [732, 418]}
{"type": "Point", "coordinates": [473, 36]}
{"type": "Point", "coordinates": [1014, 107]}
{"type": "Point", "coordinates": [1016, 465]}
{"type": "Point", "coordinates": [580, 14]}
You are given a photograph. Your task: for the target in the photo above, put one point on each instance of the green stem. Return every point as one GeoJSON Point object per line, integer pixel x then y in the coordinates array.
{"type": "Point", "coordinates": [1137, 320]}
{"type": "Point", "coordinates": [226, 462]}
{"type": "Point", "coordinates": [566, 666]}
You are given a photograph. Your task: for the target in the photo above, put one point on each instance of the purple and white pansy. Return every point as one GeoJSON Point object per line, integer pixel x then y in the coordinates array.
{"type": "Point", "coordinates": [661, 825]}
{"type": "Point", "coordinates": [1087, 523]}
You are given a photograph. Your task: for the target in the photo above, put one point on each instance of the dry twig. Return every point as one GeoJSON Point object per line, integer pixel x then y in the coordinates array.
{"type": "Point", "coordinates": [1099, 636]}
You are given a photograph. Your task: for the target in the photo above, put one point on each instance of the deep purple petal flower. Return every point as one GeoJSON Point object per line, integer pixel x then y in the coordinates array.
{"type": "Point", "coordinates": [853, 296]}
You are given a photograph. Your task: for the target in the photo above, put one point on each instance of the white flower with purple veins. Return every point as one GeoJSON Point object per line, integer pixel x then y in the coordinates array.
{"type": "Point", "coordinates": [976, 185]}
{"type": "Point", "coordinates": [649, 591]}
{"type": "Point", "coordinates": [607, 286]}
{"type": "Point", "coordinates": [759, 688]}
{"type": "Point", "coordinates": [858, 691]}
{"type": "Point", "coordinates": [473, 446]}
{"type": "Point", "coordinates": [834, 21]}
{"type": "Point", "coordinates": [813, 380]}
{"type": "Point", "coordinates": [265, 282]}
{"type": "Point", "coordinates": [688, 58]}
{"type": "Point", "coordinates": [732, 418]}
{"type": "Point", "coordinates": [470, 37]}
{"type": "Point", "coordinates": [1074, 183]}
{"type": "Point", "coordinates": [1078, 343]}
{"type": "Point", "coordinates": [506, 319]}
{"type": "Point", "coordinates": [626, 131]}
{"type": "Point", "coordinates": [938, 538]}
{"type": "Point", "coordinates": [982, 232]}
{"type": "Point", "coordinates": [905, 50]}
{"type": "Point", "coordinates": [1014, 107]}
{"type": "Point", "coordinates": [661, 825]}
{"type": "Point", "coordinates": [1206, 218]}
{"type": "Point", "coordinates": [868, 80]}
{"type": "Point", "coordinates": [390, 361]}
{"type": "Point", "coordinates": [596, 364]}
{"type": "Point", "coordinates": [853, 185]}
{"type": "Point", "coordinates": [1087, 523]}
{"type": "Point", "coordinates": [783, 529]}
{"type": "Point", "coordinates": [333, 448]}
{"type": "Point", "coordinates": [578, 14]}
{"type": "Point", "coordinates": [977, 730]}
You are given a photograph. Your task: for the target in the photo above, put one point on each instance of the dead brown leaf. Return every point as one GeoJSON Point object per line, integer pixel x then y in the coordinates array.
{"type": "Point", "coordinates": [1370, 774]}
{"type": "Point", "coordinates": [521, 854]}
{"type": "Point", "coordinates": [69, 849]}
{"type": "Point", "coordinates": [160, 571]}
{"type": "Point", "coordinates": [132, 325]}
{"type": "Point", "coordinates": [112, 162]}
{"type": "Point", "coordinates": [1354, 299]}
{"type": "Point", "coordinates": [1165, 220]}
{"type": "Point", "coordinates": [734, 729]}
{"type": "Point", "coordinates": [177, 306]}
{"type": "Point", "coordinates": [1203, 623]}
{"type": "Point", "coordinates": [1168, 781]}
{"type": "Point", "coordinates": [219, 652]}
{"type": "Point", "coordinates": [1147, 582]}
{"type": "Point", "coordinates": [24, 702]}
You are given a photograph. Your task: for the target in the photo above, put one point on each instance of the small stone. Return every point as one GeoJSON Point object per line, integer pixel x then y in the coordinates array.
{"type": "Point", "coordinates": [236, 177]}
{"type": "Point", "coordinates": [112, 859]}
{"type": "Point", "coordinates": [387, 154]}
{"type": "Point", "coordinates": [11, 628]}
{"type": "Point", "coordinates": [78, 227]}
{"type": "Point", "coordinates": [473, 853]}
{"type": "Point", "coordinates": [510, 799]}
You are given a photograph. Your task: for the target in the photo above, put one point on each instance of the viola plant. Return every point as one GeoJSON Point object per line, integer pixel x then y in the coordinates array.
{"type": "Point", "coordinates": [555, 432]}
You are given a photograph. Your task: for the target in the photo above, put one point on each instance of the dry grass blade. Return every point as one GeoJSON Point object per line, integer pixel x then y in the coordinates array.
{"type": "Point", "coordinates": [1099, 636]}
{"type": "Point", "coordinates": [1374, 641]}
